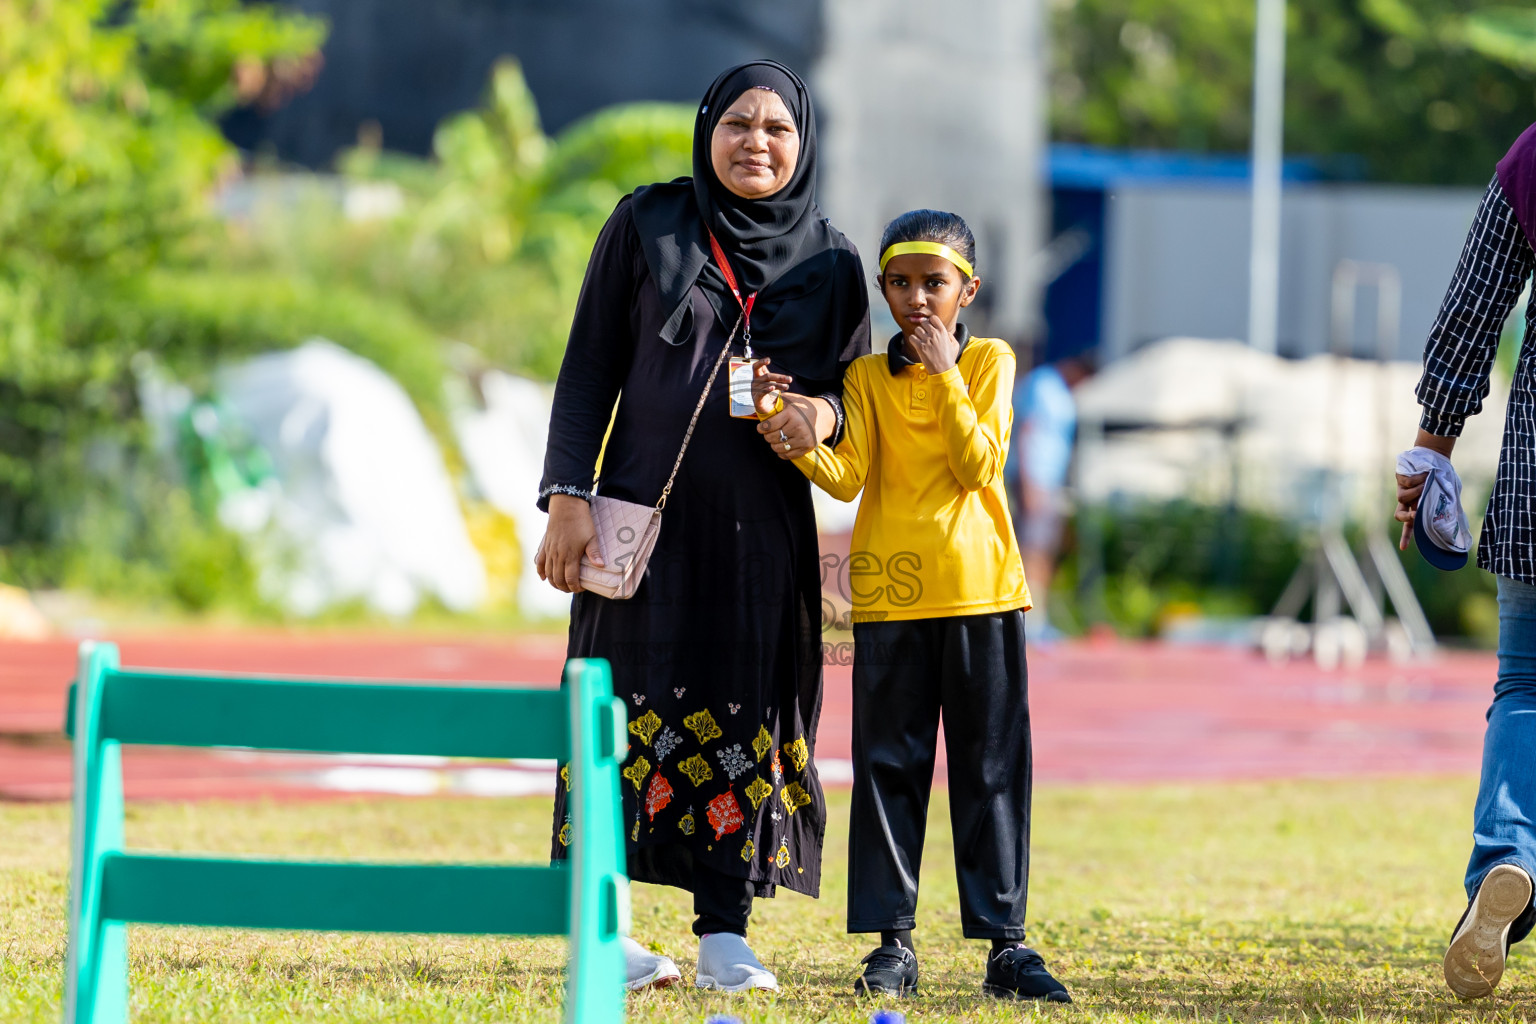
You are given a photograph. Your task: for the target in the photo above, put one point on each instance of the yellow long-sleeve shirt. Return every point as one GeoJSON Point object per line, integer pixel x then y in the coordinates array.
{"type": "Point", "coordinates": [933, 536]}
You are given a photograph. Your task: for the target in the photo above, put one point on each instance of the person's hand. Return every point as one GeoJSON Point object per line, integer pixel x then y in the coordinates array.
{"type": "Point", "coordinates": [791, 432]}
{"type": "Point", "coordinates": [569, 534]}
{"type": "Point", "coordinates": [766, 388]}
{"type": "Point", "coordinates": [935, 345]}
{"type": "Point", "coordinates": [1408, 490]}
{"type": "Point", "coordinates": [1410, 487]}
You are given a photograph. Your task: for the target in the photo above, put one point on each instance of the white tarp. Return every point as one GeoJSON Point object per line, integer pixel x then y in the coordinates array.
{"type": "Point", "coordinates": [1291, 422]}
{"type": "Point", "coordinates": [364, 508]}
{"type": "Point", "coordinates": [502, 438]}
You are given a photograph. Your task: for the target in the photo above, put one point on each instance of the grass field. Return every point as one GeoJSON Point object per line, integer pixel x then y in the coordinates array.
{"type": "Point", "coordinates": [1253, 902]}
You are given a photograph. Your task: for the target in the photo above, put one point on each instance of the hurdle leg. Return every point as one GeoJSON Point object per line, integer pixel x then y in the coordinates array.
{"type": "Point", "coordinates": [96, 964]}
{"type": "Point", "coordinates": [599, 887]}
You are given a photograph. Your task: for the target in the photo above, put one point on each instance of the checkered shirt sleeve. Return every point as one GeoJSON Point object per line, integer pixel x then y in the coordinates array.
{"type": "Point", "coordinates": [1495, 263]}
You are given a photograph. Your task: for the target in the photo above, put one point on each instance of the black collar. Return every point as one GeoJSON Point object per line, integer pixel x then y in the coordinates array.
{"type": "Point", "coordinates": [896, 351]}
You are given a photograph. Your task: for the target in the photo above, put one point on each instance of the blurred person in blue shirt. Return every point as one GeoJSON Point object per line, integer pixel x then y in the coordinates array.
{"type": "Point", "coordinates": [1045, 427]}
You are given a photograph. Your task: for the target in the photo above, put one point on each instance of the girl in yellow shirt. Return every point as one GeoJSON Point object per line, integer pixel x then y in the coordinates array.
{"type": "Point", "coordinates": [938, 597]}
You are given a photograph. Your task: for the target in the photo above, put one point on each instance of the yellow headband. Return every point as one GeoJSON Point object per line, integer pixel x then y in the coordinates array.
{"type": "Point", "coordinates": [930, 249]}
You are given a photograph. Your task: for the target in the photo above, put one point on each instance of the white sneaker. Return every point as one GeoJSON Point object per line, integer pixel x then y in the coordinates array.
{"type": "Point", "coordinates": [1474, 963]}
{"type": "Point", "coordinates": [644, 969]}
{"type": "Point", "coordinates": [726, 964]}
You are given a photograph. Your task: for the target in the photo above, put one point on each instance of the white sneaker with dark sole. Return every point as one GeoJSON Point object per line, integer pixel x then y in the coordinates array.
{"type": "Point", "coordinates": [644, 969]}
{"type": "Point", "coordinates": [1474, 963]}
{"type": "Point", "coordinates": [727, 964]}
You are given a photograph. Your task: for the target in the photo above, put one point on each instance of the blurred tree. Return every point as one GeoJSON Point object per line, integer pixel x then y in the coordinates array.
{"type": "Point", "coordinates": [108, 157]}
{"type": "Point", "coordinates": [1430, 91]}
{"type": "Point", "coordinates": [492, 237]}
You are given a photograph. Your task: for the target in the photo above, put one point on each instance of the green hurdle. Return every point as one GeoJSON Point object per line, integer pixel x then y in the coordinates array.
{"type": "Point", "coordinates": [586, 897]}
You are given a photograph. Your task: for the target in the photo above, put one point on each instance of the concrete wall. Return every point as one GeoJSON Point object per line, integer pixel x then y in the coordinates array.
{"type": "Point", "coordinates": [939, 106]}
{"type": "Point", "coordinates": [1177, 261]}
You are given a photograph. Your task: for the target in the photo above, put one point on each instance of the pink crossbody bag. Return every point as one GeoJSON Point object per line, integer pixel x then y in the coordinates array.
{"type": "Point", "coordinates": [626, 530]}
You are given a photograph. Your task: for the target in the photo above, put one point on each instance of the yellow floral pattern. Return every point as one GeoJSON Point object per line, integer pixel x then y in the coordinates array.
{"type": "Point", "coordinates": [794, 797]}
{"type": "Point", "coordinates": [730, 749]}
{"type": "Point", "coordinates": [703, 725]}
{"type": "Point", "coordinates": [697, 769]}
{"type": "Point", "coordinates": [758, 791]}
{"type": "Point", "coordinates": [799, 753]}
{"type": "Point", "coordinates": [645, 726]}
{"type": "Point", "coordinates": [637, 772]}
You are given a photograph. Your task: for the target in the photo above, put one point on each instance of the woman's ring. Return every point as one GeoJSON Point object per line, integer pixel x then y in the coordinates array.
{"type": "Point", "coordinates": [787, 446]}
{"type": "Point", "coordinates": [782, 437]}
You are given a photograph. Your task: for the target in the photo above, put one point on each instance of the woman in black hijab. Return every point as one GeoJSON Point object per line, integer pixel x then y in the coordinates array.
{"type": "Point", "coordinates": [718, 653]}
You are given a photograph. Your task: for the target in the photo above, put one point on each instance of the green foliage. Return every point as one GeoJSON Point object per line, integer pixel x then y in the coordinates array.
{"type": "Point", "coordinates": [1135, 565]}
{"type": "Point", "coordinates": [188, 316]}
{"type": "Point", "coordinates": [111, 260]}
{"type": "Point", "coordinates": [107, 158]}
{"type": "Point", "coordinates": [1424, 90]}
{"type": "Point", "coordinates": [493, 240]}
{"type": "Point", "coordinates": [1506, 34]}
{"type": "Point", "coordinates": [1153, 557]}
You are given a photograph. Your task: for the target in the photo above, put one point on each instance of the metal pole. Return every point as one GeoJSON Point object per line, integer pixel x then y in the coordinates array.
{"type": "Point", "coordinates": [1268, 124]}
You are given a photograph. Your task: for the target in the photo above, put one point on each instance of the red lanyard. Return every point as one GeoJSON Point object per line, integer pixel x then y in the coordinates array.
{"type": "Point", "coordinates": [730, 280]}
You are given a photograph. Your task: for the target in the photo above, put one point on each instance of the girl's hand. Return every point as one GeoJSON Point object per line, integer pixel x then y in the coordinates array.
{"type": "Point", "coordinates": [934, 345]}
{"type": "Point", "coordinates": [570, 533]}
{"type": "Point", "coordinates": [766, 388]}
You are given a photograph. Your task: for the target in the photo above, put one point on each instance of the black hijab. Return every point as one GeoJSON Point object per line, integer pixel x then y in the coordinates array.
{"type": "Point", "coordinates": [812, 309]}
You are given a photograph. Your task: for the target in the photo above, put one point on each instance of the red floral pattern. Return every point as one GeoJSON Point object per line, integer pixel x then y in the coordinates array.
{"type": "Point", "coordinates": [725, 814]}
{"type": "Point", "coordinates": [658, 795]}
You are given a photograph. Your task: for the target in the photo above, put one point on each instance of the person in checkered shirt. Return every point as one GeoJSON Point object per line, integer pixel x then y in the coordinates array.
{"type": "Point", "coordinates": [1495, 265]}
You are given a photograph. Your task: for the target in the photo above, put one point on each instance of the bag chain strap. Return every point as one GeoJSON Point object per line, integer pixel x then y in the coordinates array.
{"type": "Point", "coordinates": [665, 491]}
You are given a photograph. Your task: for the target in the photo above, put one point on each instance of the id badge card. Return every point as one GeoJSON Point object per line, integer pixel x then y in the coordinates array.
{"type": "Point", "coordinates": [740, 377]}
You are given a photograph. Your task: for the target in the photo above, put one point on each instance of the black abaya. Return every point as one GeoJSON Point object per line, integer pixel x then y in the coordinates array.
{"type": "Point", "coordinates": [718, 653]}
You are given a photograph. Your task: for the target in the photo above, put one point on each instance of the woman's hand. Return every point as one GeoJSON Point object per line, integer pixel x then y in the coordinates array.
{"type": "Point", "coordinates": [935, 345]}
{"type": "Point", "coordinates": [569, 534]}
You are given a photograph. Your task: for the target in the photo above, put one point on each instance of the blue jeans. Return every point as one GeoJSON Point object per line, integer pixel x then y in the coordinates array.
{"type": "Point", "coordinates": [1504, 821]}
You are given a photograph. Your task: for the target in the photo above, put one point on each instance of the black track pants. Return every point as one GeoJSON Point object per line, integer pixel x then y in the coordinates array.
{"type": "Point", "coordinates": [720, 903]}
{"type": "Point", "coordinates": [904, 674]}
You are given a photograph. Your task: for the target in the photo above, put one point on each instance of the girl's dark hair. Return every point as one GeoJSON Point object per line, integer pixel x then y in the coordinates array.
{"type": "Point", "coordinates": [931, 226]}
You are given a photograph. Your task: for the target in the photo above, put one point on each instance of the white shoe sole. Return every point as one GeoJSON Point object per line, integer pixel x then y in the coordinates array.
{"type": "Point", "coordinates": [664, 975]}
{"type": "Point", "coordinates": [765, 984]}
{"type": "Point", "coordinates": [1474, 963]}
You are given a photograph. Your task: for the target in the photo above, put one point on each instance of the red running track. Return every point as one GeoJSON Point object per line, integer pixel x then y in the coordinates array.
{"type": "Point", "coordinates": [1101, 711]}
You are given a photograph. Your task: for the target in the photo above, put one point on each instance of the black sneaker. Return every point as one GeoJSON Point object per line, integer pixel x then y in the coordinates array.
{"type": "Point", "coordinates": [1018, 972]}
{"type": "Point", "coordinates": [888, 971]}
